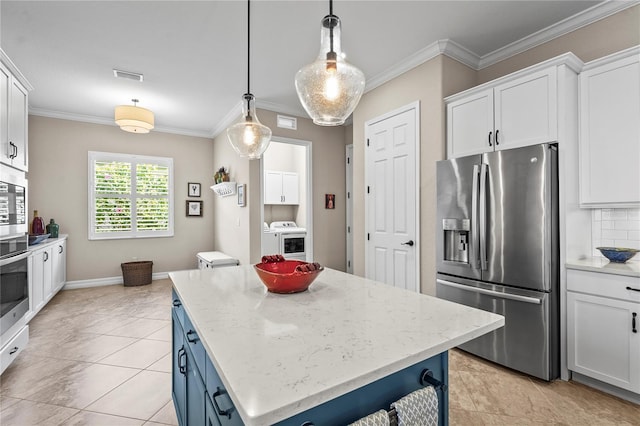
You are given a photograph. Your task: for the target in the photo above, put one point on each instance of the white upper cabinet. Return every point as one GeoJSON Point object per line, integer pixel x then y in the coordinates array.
{"type": "Point", "coordinates": [281, 188]}
{"type": "Point", "coordinates": [516, 110]}
{"type": "Point", "coordinates": [13, 116]}
{"type": "Point", "coordinates": [470, 124]}
{"type": "Point", "coordinates": [610, 131]}
{"type": "Point", "coordinates": [526, 110]}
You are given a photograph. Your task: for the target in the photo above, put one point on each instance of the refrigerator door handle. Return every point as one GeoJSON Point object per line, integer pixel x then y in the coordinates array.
{"type": "Point", "coordinates": [475, 236]}
{"type": "Point", "coordinates": [525, 299]}
{"type": "Point", "coordinates": [484, 168]}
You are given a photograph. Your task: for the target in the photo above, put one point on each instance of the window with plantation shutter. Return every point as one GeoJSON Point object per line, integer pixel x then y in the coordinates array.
{"type": "Point", "coordinates": [130, 196]}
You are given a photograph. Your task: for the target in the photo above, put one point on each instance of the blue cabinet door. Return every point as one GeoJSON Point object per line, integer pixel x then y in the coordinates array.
{"type": "Point", "coordinates": [211, 419]}
{"type": "Point", "coordinates": [195, 392]}
{"type": "Point", "coordinates": [178, 371]}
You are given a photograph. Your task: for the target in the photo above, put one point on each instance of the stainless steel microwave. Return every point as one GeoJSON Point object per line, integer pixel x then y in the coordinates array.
{"type": "Point", "coordinates": [13, 202]}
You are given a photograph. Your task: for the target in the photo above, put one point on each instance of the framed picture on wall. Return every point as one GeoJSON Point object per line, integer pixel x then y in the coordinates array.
{"type": "Point", "coordinates": [194, 208]}
{"type": "Point", "coordinates": [329, 201]}
{"type": "Point", "coordinates": [194, 189]}
{"type": "Point", "coordinates": [240, 191]}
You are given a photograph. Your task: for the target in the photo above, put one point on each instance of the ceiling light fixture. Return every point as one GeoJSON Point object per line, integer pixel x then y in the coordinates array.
{"type": "Point", "coordinates": [330, 88]}
{"type": "Point", "coordinates": [134, 119]}
{"type": "Point", "coordinates": [249, 138]}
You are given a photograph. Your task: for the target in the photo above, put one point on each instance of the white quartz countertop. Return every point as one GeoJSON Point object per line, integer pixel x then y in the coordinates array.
{"type": "Point", "coordinates": [600, 264]}
{"type": "Point", "coordinates": [279, 355]}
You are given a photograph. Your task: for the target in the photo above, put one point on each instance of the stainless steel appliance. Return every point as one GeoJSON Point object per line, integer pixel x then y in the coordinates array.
{"type": "Point", "coordinates": [13, 202]}
{"type": "Point", "coordinates": [497, 250]}
{"type": "Point", "coordinates": [14, 281]}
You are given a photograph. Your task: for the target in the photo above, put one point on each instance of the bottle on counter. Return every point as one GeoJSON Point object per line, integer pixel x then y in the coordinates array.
{"type": "Point", "coordinates": [53, 228]}
{"type": "Point", "coordinates": [37, 226]}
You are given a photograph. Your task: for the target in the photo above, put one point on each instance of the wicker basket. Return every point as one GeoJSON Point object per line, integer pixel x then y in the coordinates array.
{"type": "Point", "coordinates": [136, 273]}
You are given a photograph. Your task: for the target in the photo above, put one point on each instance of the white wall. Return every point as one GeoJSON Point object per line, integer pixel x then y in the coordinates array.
{"type": "Point", "coordinates": [615, 228]}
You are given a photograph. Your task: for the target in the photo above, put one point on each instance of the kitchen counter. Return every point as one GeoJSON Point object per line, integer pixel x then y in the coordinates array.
{"type": "Point", "coordinates": [279, 355]}
{"type": "Point", "coordinates": [49, 241]}
{"type": "Point", "coordinates": [600, 264]}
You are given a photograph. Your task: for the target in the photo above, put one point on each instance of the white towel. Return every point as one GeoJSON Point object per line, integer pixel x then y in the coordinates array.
{"type": "Point", "coordinates": [419, 408]}
{"type": "Point", "coordinates": [379, 418]}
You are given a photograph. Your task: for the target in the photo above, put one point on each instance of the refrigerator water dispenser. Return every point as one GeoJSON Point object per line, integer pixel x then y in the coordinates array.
{"type": "Point", "coordinates": [456, 239]}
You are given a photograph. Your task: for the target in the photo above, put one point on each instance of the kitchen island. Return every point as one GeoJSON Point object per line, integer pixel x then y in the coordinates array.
{"type": "Point", "coordinates": [345, 348]}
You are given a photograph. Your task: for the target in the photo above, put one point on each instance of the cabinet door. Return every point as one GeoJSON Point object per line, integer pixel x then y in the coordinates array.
{"type": "Point", "coordinates": [601, 341]}
{"type": "Point", "coordinates": [6, 151]}
{"type": "Point", "coordinates": [178, 371]}
{"type": "Point", "coordinates": [290, 188]}
{"type": "Point", "coordinates": [18, 124]}
{"type": "Point", "coordinates": [195, 392]}
{"type": "Point", "coordinates": [470, 125]}
{"type": "Point", "coordinates": [526, 110]}
{"type": "Point", "coordinates": [272, 187]}
{"type": "Point", "coordinates": [211, 418]}
{"type": "Point", "coordinates": [47, 281]}
{"type": "Point", "coordinates": [59, 265]}
{"type": "Point", "coordinates": [36, 278]}
{"type": "Point", "coordinates": [610, 134]}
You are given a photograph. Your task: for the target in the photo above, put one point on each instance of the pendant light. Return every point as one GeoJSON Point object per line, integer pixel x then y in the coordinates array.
{"type": "Point", "coordinates": [134, 119]}
{"type": "Point", "coordinates": [249, 138]}
{"type": "Point", "coordinates": [330, 88]}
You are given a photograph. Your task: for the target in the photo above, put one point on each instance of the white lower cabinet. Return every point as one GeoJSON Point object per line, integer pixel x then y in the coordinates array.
{"type": "Point", "coordinates": [59, 265]}
{"type": "Point", "coordinates": [47, 274]}
{"type": "Point", "coordinates": [603, 327]}
{"type": "Point", "coordinates": [13, 348]}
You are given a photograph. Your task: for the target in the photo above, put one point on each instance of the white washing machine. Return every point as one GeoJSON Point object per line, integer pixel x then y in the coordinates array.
{"type": "Point", "coordinates": [215, 259]}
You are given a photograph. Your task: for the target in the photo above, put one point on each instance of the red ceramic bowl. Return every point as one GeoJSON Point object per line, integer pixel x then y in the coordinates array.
{"type": "Point", "coordinates": [281, 277]}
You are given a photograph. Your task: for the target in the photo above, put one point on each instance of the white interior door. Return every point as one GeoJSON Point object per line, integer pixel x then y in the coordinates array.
{"type": "Point", "coordinates": [349, 207]}
{"type": "Point", "coordinates": [391, 179]}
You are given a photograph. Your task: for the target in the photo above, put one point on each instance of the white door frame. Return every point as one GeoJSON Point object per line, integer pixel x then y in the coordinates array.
{"type": "Point", "coordinates": [309, 198]}
{"type": "Point", "coordinates": [349, 206]}
{"type": "Point", "coordinates": [418, 241]}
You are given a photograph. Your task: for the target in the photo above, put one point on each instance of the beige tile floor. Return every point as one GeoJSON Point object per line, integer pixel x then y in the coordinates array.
{"type": "Point", "coordinates": [96, 356]}
{"type": "Point", "coordinates": [102, 356]}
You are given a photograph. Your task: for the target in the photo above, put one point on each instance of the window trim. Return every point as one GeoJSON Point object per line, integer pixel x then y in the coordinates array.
{"type": "Point", "coordinates": [133, 159]}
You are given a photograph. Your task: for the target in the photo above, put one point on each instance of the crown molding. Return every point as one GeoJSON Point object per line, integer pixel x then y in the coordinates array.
{"type": "Point", "coordinates": [109, 122]}
{"type": "Point", "coordinates": [635, 50]}
{"type": "Point", "coordinates": [297, 111]}
{"type": "Point", "coordinates": [572, 23]}
{"type": "Point", "coordinates": [227, 120]}
{"type": "Point", "coordinates": [7, 62]}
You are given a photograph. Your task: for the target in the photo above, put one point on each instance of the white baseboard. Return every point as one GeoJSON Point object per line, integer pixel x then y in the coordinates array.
{"type": "Point", "coordinates": [605, 387]}
{"type": "Point", "coordinates": [98, 282]}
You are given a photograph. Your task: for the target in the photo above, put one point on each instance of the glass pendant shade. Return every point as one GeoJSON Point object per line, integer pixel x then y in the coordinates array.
{"type": "Point", "coordinates": [330, 88]}
{"type": "Point", "coordinates": [134, 119]}
{"type": "Point", "coordinates": [249, 138]}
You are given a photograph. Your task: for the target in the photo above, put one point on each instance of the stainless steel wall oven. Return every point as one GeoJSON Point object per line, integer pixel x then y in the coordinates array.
{"type": "Point", "coordinates": [14, 280]}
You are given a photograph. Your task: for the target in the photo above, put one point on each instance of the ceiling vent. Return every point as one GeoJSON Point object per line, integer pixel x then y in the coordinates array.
{"type": "Point", "coordinates": [128, 74]}
{"type": "Point", "coordinates": [285, 122]}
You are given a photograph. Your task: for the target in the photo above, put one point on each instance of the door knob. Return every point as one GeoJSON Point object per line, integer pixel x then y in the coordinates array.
{"type": "Point", "coordinates": [408, 243]}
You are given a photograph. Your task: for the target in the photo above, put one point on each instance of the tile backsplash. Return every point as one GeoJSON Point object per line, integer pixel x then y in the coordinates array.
{"type": "Point", "coordinates": [615, 228]}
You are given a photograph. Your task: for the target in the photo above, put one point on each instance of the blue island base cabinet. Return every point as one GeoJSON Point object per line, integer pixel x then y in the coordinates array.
{"type": "Point", "coordinates": [200, 397]}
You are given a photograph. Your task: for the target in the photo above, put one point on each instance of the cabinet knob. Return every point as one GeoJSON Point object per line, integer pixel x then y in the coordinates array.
{"type": "Point", "coordinates": [633, 322]}
{"type": "Point", "coordinates": [490, 133]}
{"type": "Point", "coordinates": [497, 141]}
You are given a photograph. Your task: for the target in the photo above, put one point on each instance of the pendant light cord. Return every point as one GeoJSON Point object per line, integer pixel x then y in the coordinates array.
{"type": "Point", "coordinates": [331, 25]}
{"type": "Point", "coordinates": [248, 44]}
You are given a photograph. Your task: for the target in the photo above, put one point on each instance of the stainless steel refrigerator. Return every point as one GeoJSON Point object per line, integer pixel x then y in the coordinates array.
{"type": "Point", "coordinates": [497, 250]}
